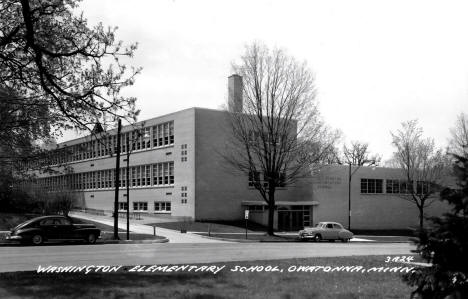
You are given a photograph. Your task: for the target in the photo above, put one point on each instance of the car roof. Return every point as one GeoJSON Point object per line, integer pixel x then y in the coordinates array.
{"type": "Point", "coordinates": [46, 217]}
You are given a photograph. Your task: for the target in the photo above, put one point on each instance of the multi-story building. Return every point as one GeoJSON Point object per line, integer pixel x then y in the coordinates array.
{"type": "Point", "coordinates": [176, 167]}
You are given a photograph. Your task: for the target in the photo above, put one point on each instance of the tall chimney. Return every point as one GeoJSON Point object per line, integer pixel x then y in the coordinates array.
{"type": "Point", "coordinates": [235, 93]}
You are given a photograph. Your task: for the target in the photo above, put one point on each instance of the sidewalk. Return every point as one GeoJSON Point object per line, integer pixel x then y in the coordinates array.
{"type": "Point", "coordinates": [139, 226]}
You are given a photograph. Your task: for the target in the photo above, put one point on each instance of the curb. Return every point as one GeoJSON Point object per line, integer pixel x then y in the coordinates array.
{"type": "Point", "coordinates": [230, 240]}
{"type": "Point", "coordinates": [165, 240]}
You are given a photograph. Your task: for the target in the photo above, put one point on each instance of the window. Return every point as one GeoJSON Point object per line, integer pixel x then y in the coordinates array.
{"type": "Point", "coordinates": [371, 186]}
{"type": "Point", "coordinates": [163, 134]}
{"type": "Point", "coordinates": [146, 138]}
{"type": "Point", "coordinates": [123, 206]}
{"type": "Point", "coordinates": [166, 134]}
{"type": "Point", "coordinates": [148, 175]}
{"type": "Point", "coordinates": [166, 173]}
{"type": "Point", "coordinates": [422, 187]}
{"type": "Point", "coordinates": [171, 133]}
{"type": "Point", "coordinates": [134, 171]}
{"type": "Point", "coordinates": [162, 206]}
{"type": "Point", "coordinates": [171, 173]}
{"type": "Point", "coordinates": [393, 186]}
{"type": "Point", "coordinates": [406, 187]}
{"type": "Point", "coordinates": [254, 177]}
{"type": "Point", "coordinates": [256, 208]}
{"type": "Point", "coordinates": [140, 206]}
{"type": "Point", "coordinates": [184, 194]}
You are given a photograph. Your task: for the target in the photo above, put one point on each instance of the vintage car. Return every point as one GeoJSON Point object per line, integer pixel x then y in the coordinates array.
{"type": "Point", "coordinates": [53, 228]}
{"type": "Point", "coordinates": [326, 231]}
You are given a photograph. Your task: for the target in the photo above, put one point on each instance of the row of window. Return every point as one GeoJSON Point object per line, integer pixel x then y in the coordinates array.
{"type": "Point", "coordinates": [394, 186]}
{"type": "Point", "coordinates": [150, 137]}
{"type": "Point", "coordinates": [159, 206]}
{"type": "Point", "coordinates": [159, 174]}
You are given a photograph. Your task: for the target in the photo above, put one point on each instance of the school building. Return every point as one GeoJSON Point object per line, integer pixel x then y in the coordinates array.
{"type": "Point", "coordinates": [176, 168]}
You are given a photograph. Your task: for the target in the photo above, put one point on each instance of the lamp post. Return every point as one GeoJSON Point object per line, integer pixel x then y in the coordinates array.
{"type": "Point", "coordinates": [350, 176]}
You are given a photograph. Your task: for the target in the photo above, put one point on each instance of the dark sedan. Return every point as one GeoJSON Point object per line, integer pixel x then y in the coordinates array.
{"type": "Point", "coordinates": [53, 228]}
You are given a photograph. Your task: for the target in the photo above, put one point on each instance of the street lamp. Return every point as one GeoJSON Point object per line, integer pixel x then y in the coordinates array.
{"type": "Point", "coordinates": [350, 176]}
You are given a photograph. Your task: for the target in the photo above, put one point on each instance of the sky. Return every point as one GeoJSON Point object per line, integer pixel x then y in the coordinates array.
{"type": "Point", "coordinates": [376, 63]}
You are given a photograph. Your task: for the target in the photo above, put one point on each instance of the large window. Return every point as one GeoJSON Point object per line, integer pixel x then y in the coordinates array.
{"type": "Point", "coordinates": [123, 206]}
{"type": "Point", "coordinates": [371, 186]}
{"type": "Point", "coordinates": [254, 177]}
{"type": "Point", "coordinates": [140, 206]}
{"type": "Point", "coordinates": [163, 134]}
{"type": "Point", "coordinates": [163, 173]}
{"type": "Point", "coordinates": [162, 206]}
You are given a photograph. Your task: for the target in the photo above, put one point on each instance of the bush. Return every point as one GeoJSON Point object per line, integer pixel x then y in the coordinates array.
{"type": "Point", "coordinates": [445, 245]}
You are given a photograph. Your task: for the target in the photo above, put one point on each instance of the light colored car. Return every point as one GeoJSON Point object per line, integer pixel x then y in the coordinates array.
{"type": "Point", "coordinates": [326, 231]}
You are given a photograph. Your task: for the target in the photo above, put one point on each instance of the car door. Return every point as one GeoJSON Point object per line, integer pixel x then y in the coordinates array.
{"type": "Point", "coordinates": [328, 231]}
{"type": "Point", "coordinates": [49, 228]}
{"type": "Point", "coordinates": [336, 230]}
{"type": "Point", "coordinates": [65, 229]}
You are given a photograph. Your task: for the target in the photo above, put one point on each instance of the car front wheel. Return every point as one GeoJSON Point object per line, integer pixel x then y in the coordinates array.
{"type": "Point", "coordinates": [91, 239]}
{"type": "Point", "coordinates": [318, 238]}
{"type": "Point", "coordinates": [37, 240]}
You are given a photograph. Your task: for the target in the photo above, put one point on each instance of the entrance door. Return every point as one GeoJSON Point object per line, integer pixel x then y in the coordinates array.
{"type": "Point", "coordinates": [283, 220]}
{"type": "Point", "coordinates": [290, 220]}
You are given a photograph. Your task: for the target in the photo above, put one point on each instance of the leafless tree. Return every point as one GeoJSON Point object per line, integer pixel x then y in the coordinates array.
{"type": "Point", "coordinates": [422, 164]}
{"type": "Point", "coordinates": [358, 154]}
{"type": "Point", "coordinates": [279, 134]}
{"type": "Point", "coordinates": [459, 142]}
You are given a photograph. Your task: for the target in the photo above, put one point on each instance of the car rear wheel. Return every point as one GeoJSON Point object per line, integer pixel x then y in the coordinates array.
{"type": "Point", "coordinates": [91, 239]}
{"type": "Point", "coordinates": [318, 238]}
{"type": "Point", "coordinates": [37, 240]}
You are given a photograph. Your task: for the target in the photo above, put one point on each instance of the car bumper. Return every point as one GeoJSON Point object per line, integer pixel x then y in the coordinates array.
{"type": "Point", "coordinates": [14, 238]}
{"type": "Point", "coordinates": [307, 235]}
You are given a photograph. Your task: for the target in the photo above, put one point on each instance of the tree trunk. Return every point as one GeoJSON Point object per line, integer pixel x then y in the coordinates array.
{"type": "Point", "coordinates": [271, 213]}
{"type": "Point", "coordinates": [421, 218]}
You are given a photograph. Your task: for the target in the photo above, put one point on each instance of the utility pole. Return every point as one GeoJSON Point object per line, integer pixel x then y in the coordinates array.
{"type": "Point", "coordinates": [128, 186]}
{"type": "Point", "coordinates": [117, 176]}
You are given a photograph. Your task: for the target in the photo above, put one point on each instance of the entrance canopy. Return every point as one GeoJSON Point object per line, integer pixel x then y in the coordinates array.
{"type": "Point", "coordinates": [280, 203]}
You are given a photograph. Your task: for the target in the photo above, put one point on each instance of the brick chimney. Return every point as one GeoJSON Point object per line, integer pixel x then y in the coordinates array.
{"type": "Point", "coordinates": [235, 93]}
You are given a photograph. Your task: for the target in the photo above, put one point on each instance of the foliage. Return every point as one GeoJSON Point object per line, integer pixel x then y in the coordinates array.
{"type": "Point", "coordinates": [445, 245]}
{"type": "Point", "coordinates": [62, 67]}
{"type": "Point", "coordinates": [279, 135]}
{"type": "Point", "coordinates": [423, 166]}
{"type": "Point", "coordinates": [459, 139]}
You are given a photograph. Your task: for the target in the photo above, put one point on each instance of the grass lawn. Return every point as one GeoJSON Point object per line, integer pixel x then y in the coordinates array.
{"type": "Point", "coordinates": [225, 284]}
{"type": "Point", "coordinates": [254, 236]}
{"type": "Point", "coordinates": [214, 227]}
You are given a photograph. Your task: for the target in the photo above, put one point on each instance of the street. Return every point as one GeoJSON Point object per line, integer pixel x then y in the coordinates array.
{"type": "Point", "coordinates": [26, 258]}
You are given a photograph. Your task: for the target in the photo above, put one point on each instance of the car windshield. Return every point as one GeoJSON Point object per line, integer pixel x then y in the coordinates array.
{"type": "Point", "coordinates": [319, 224]}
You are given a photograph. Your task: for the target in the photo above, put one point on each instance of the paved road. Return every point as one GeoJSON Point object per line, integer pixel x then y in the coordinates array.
{"type": "Point", "coordinates": [29, 257]}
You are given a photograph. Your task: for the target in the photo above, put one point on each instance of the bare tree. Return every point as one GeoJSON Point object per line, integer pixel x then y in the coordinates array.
{"type": "Point", "coordinates": [423, 166]}
{"type": "Point", "coordinates": [279, 134]}
{"type": "Point", "coordinates": [459, 142]}
{"type": "Point", "coordinates": [358, 154]}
